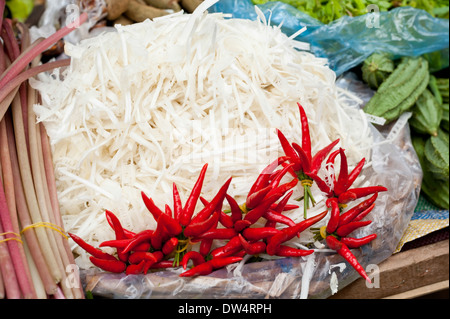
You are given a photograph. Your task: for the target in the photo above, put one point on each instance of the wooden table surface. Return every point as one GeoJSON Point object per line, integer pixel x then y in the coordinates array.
{"type": "Point", "coordinates": [410, 274]}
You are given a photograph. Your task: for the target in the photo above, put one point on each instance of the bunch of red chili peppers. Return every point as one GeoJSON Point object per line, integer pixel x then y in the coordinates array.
{"type": "Point", "coordinates": [178, 229]}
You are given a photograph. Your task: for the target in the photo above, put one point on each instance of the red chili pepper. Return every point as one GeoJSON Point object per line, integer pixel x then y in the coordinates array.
{"type": "Point", "coordinates": [286, 251]}
{"type": "Point", "coordinates": [254, 234]}
{"type": "Point", "coordinates": [355, 172]}
{"type": "Point", "coordinates": [156, 239]}
{"type": "Point", "coordinates": [219, 233]}
{"type": "Point", "coordinates": [341, 184]}
{"type": "Point", "coordinates": [224, 219]}
{"type": "Point", "coordinates": [128, 234]}
{"type": "Point", "coordinates": [117, 226]}
{"type": "Point", "coordinates": [306, 139]}
{"type": "Point", "coordinates": [214, 204]}
{"type": "Point", "coordinates": [290, 232]}
{"type": "Point", "coordinates": [119, 232]}
{"type": "Point", "coordinates": [97, 253]}
{"type": "Point", "coordinates": [324, 187]}
{"type": "Point", "coordinates": [358, 242]}
{"type": "Point", "coordinates": [135, 269]}
{"type": "Point", "coordinates": [168, 211]}
{"type": "Point", "coordinates": [230, 248]}
{"type": "Point", "coordinates": [240, 225]}
{"type": "Point", "coordinates": [149, 263]}
{"type": "Point", "coordinates": [205, 246]}
{"type": "Point", "coordinates": [256, 213]}
{"type": "Point", "coordinates": [252, 248]}
{"type": "Point", "coordinates": [169, 246]}
{"type": "Point", "coordinates": [221, 262]}
{"type": "Point", "coordinates": [350, 215]}
{"type": "Point", "coordinates": [344, 230]}
{"type": "Point", "coordinates": [177, 204]}
{"type": "Point", "coordinates": [151, 206]}
{"type": "Point", "coordinates": [115, 266]}
{"type": "Point", "coordinates": [282, 205]}
{"type": "Point", "coordinates": [141, 237]}
{"type": "Point", "coordinates": [364, 213]}
{"type": "Point", "coordinates": [236, 212]}
{"type": "Point", "coordinates": [360, 192]}
{"type": "Point", "coordinates": [139, 256]}
{"type": "Point", "coordinates": [116, 243]}
{"type": "Point", "coordinates": [255, 198]}
{"type": "Point", "coordinates": [347, 197]}
{"type": "Point", "coordinates": [163, 264]}
{"type": "Point", "coordinates": [196, 258]}
{"type": "Point", "coordinates": [278, 218]}
{"type": "Point", "coordinates": [201, 270]}
{"type": "Point", "coordinates": [335, 213]}
{"type": "Point", "coordinates": [320, 156]}
{"type": "Point", "coordinates": [264, 177]}
{"type": "Point", "coordinates": [290, 152]}
{"type": "Point", "coordinates": [277, 179]}
{"type": "Point", "coordinates": [333, 156]}
{"type": "Point", "coordinates": [191, 202]}
{"type": "Point", "coordinates": [194, 229]}
{"type": "Point", "coordinates": [345, 252]}
{"type": "Point", "coordinates": [142, 247]}
{"type": "Point", "coordinates": [171, 225]}
{"type": "Point", "coordinates": [282, 189]}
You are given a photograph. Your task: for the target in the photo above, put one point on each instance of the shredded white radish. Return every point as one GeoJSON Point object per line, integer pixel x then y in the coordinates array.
{"type": "Point", "coordinates": [148, 105]}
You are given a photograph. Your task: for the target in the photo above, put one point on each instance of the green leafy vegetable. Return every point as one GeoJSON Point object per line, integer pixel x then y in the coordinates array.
{"type": "Point", "coordinates": [327, 11]}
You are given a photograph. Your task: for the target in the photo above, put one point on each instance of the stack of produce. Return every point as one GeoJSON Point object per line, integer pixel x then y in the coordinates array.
{"type": "Point", "coordinates": [142, 109]}
{"type": "Point", "coordinates": [35, 256]}
{"type": "Point", "coordinates": [407, 85]}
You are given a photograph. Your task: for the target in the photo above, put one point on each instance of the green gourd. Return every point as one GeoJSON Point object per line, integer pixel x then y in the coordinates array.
{"type": "Point", "coordinates": [445, 117]}
{"type": "Point", "coordinates": [426, 114]}
{"type": "Point", "coordinates": [443, 86]}
{"type": "Point", "coordinates": [376, 69]}
{"type": "Point", "coordinates": [437, 155]}
{"type": "Point", "coordinates": [400, 91]}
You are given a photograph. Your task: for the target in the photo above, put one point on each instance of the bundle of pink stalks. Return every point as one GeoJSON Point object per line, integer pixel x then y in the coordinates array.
{"type": "Point", "coordinates": [36, 261]}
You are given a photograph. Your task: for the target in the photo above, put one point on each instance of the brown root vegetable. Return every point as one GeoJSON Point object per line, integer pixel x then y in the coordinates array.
{"type": "Point", "coordinates": [164, 4]}
{"type": "Point", "coordinates": [122, 20]}
{"type": "Point", "coordinates": [139, 12]}
{"type": "Point", "coordinates": [190, 5]}
{"type": "Point", "coordinates": [115, 8]}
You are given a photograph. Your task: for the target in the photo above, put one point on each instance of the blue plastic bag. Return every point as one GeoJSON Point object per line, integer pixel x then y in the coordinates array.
{"type": "Point", "coordinates": [348, 41]}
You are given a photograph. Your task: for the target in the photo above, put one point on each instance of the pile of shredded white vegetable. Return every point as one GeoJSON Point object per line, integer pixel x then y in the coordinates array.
{"type": "Point", "coordinates": [148, 104]}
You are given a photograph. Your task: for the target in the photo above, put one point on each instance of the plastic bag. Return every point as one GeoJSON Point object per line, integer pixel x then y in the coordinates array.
{"type": "Point", "coordinates": [348, 41]}
{"type": "Point", "coordinates": [394, 165]}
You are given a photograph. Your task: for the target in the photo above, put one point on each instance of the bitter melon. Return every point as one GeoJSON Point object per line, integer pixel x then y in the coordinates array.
{"type": "Point", "coordinates": [435, 190]}
{"type": "Point", "coordinates": [376, 69]}
{"type": "Point", "coordinates": [445, 117]}
{"type": "Point", "coordinates": [400, 91]}
{"type": "Point", "coordinates": [437, 155]}
{"type": "Point", "coordinates": [443, 86]}
{"type": "Point", "coordinates": [426, 114]}
{"type": "Point", "coordinates": [434, 88]}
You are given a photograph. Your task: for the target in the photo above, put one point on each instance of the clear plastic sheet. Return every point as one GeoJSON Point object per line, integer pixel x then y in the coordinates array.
{"type": "Point", "coordinates": [348, 41]}
{"type": "Point", "coordinates": [394, 165]}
